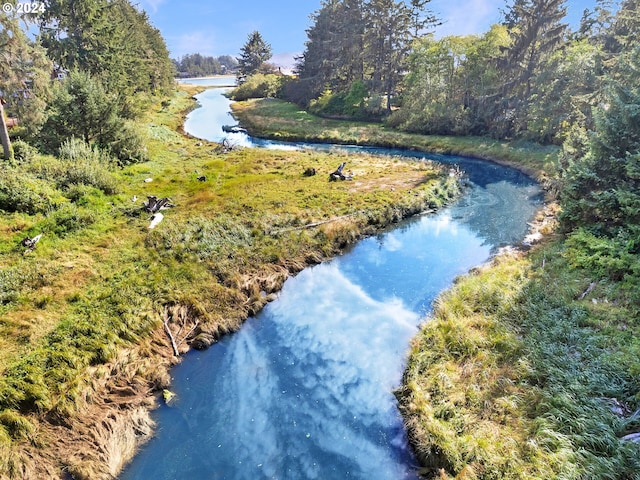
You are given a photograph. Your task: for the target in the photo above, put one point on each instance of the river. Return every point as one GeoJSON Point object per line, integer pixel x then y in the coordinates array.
{"type": "Point", "coordinates": [305, 389]}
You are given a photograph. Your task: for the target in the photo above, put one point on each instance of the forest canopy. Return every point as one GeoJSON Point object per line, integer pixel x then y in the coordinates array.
{"type": "Point", "coordinates": [109, 46]}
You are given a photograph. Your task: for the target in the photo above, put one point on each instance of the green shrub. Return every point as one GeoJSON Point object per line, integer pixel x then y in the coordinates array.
{"type": "Point", "coordinates": [353, 103]}
{"type": "Point", "coordinates": [22, 192]}
{"type": "Point", "coordinates": [23, 152]}
{"type": "Point", "coordinates": [79, 164]}
{"type": "Point", "coordinates": [258, 86]}
{"type": "Point", "coordinates": [611, 258]}
{"type": "Point", "coordinates": [328, 103]}
{"type": "Point", "coordinates": [128, 145]}
{"type": "Point", "coordinates": [11, 282]}
{"type": "Point", "coordinates": [70, 218]}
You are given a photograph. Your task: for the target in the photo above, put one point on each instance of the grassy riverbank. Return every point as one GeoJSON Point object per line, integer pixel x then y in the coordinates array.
{"type": "Point", "coordinates": [280, 120]}
{"type": "Point", "coordinates": [528, 367]}
{"type": "Point", "coordinates": [84, 345]}
{"type": "Point", "coordinates": [522, 372]}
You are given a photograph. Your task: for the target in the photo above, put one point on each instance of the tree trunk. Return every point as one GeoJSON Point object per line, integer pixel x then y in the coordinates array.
{"type": "Point", "coordinates": [4, 134]}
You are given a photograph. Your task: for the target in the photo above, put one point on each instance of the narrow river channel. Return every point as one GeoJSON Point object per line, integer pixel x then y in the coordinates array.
{"type": "Point", "coordinates": [305, 389]}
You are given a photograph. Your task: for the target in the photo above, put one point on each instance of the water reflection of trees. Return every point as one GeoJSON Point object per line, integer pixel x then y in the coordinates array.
{"type": "Point", "coordinates": [498, 212]}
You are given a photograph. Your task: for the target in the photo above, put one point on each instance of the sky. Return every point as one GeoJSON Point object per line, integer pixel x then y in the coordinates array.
{"type": "Point", "coordinates": [221, 27]}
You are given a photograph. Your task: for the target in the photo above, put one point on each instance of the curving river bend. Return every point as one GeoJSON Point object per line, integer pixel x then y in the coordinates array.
{"type": "Point", "coordinates": [304, 389]}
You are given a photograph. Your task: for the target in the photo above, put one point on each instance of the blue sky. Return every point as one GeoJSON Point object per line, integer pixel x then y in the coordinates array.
{"type": "Point", "coordinates": [221, 27]}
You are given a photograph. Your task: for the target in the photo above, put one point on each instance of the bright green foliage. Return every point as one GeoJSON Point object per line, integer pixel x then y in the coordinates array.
{"type": "Point", "coordinates": [112, 41]}
{"type": "Point", "coordinates": [253, 57]}
{"type": "Point", "coordinates": [351, 103]}
{"type": "Point", "coordinates": [259, 85]}
{"type": "Point", "coordinates": [436, 85]}
{"type": "Point", "coordinates": [80, 106]}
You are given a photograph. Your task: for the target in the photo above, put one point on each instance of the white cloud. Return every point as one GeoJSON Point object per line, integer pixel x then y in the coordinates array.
{"type": "Point", "coordinates": [466, 17]}
{"type": "Point", "coordinates": [285, 60]}
{"type": "Point", "coordinates": [153, 4]}
{"type": "Point", "coordinates": [194, 42]}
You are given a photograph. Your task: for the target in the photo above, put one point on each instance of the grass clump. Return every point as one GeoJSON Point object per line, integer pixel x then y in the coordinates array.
{"type": "Point", "coordinates": [23, 192]}
{"type": "Point", "coordinates": [202, 238]}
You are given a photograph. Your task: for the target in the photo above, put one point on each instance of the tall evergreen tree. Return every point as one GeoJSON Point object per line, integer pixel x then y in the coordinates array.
{"type": "Point", "coordinates": [253, 55]}
{"type": "Point", "coordinates": [24, 78]}
{"type": "Point", "coordinates": [602, 185]}
{"type": "Point", "coordinates": [422, 18]}
{"type": "Point", "coordinates": [333, 56]}
{"type": "Point", "coordinates": [536, 31]}
{"type": "Point", "coordinates": [387, 44]}
{"type": "Point", "coordinates": [625, 28]}
{"type": "Point", "coordinates": [315, 66]}
{"type": "Point", "coordinates": [110, 39]}
{"type": "Point", "coordinates": [359, 41]}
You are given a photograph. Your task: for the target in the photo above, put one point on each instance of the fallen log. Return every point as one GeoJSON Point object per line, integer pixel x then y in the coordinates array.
{"type": "Point", "coordinates": [175, 343]}
{"type": "Point", "coordinates": [338, 175]}
{"type": "Point", "coordinates": [591, 286]}
{"type": "Point", "coordinates": [233, 129]}
{"type": "Point", "coordinates": [30, 243]}
{"type": "Point", "coordinates": [155, 204]}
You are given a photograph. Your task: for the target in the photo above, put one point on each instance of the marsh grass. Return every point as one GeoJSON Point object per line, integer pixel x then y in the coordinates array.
{"type": "Point", "coordinates": [97, 283]}
{"type": "Point", "coordinates": [510, 379]}
{"type": "Point", "coordinates": [279, 120]}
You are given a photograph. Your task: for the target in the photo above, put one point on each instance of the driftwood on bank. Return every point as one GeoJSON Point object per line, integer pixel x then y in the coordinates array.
{"type": "Point", "coordinates": [338, 175]}
{"type": "Point", "coordinates": [312, 225]}
{"type": "Point", "coordinates": [233, 129]}
{"type": "Point", "coordinates": [155, 204]}
{"type": "Point", "coordinates": [182, 320]}
{"type": "Point", "coordinates": [30, 243]}
{"type": "Point", "coordinates": [591, 286]}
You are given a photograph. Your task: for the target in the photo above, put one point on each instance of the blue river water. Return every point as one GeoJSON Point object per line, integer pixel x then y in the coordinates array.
{"type": "Point", "coordinates": [305, 389]}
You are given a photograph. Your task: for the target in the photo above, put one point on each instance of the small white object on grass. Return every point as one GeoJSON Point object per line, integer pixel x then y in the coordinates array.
{"type": "Point", "coordinates": [156, 218]}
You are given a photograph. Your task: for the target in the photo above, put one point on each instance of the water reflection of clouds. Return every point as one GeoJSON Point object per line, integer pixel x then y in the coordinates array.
{"type": "Point", "coordinates": [391, 242]}
{"type": "Point", "coordinates": [342, 363]}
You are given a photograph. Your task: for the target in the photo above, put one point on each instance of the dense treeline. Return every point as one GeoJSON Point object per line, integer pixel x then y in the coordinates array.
{"type": "Point", "coordinates": [356, 54]}
{"type": "Point", "coordinates": [109, 62]}
{"type": "Point", "coordinates": [529, 77]}
{"type": "Point", "coordinates": [197, 65]}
